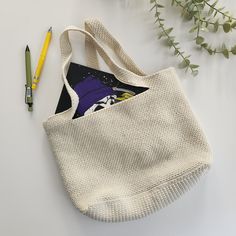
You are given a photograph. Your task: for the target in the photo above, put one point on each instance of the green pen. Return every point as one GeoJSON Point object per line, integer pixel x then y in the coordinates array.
{"type": "Point", "coordinates": [28, 85]}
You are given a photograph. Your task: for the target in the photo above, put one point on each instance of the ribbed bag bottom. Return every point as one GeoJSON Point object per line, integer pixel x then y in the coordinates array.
{"type": "Point", "coordinates": [144, 203]}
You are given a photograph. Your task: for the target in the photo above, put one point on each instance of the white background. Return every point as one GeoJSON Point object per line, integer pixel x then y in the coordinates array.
{"type": "Point", "coordinates": [33, 201]}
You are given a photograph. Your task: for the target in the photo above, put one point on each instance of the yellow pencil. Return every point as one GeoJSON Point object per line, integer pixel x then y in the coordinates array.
{"type": "Point", "coordinates": [42, 58]}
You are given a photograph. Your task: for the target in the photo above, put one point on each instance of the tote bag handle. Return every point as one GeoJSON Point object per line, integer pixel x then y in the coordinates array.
{"type": "Point", "coordinates": [125, 75]}
{"type": "Point", "coordinates": [97, 29]}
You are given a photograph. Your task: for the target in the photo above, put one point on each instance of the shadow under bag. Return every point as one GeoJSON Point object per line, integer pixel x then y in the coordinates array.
{"type": "Point", "coordinates": [135, 157]}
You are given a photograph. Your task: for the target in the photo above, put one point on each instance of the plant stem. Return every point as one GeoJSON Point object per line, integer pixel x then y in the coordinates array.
{"type": "Point", "coordinates": [195, 17]}
{"type": "Point", "coordinates": [199, 17]}
{"type": "Point", "coordinates": [222, 52]}
{"type": "Point", "coordinates": [167, 35]}
{"type": "Point", "coordinates": [217, 10]}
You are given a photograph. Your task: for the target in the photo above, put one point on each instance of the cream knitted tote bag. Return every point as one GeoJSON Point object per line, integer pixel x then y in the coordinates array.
{"type": "Point", "coordinates": [135, 157]}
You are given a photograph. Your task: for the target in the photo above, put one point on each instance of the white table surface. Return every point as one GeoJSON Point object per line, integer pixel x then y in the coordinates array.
{"type": "Point", "coordinates": [33, 201]}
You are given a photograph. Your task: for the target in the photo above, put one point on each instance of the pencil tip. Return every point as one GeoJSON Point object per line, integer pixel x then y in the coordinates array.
{"type": "Point", "coordinates": [27, 48]}
{"type": "Point", "coordinates": [50, 29]}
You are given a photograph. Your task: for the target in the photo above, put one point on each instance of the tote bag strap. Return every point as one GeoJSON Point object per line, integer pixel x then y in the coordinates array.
{"type": "Point", "coordinates": [125, 75]}
{"type": "Point", "coordinates": [97, 29]}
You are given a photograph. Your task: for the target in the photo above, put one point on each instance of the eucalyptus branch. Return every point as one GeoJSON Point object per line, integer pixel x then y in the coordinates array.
{"type": "Point", "coordinates": [199, 40]}
{"type": "Point", "coordinates": [171, 40]}
{"type": "Point", "coordinates": [191, 15]}
{"type": "Point", "coordinates": [224, 50]}
{"type": "Point", "coordinates": [217, 10]}
{"type": "Point", "coordinates": [199, 18]}
{"type": "Point", "coordinates": [196, 15]}
{"type": "Point", "coordinates": [203, 14]}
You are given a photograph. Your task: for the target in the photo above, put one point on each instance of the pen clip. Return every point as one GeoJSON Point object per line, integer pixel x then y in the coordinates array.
{"type": "Point", "coordinates": [26, 94]}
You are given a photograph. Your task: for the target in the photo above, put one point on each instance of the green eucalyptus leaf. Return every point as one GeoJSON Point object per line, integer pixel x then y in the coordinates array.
{"type": "Point", "coordinates": [195, 73]}
{"type": "Point", "coordinates": [168, 31]}
{"type": "Point", "coordinates": [209, 50]}
{"type": "Point", "coordinates": [204, 45]}
{"type": "Point", "coordinates": [216, 26]}
{"type": "Point", "coordinates": [221, 8]}
{"type": "Point", "coordinates": [233, 50]}
{"type": "Point", "coordinates": [199, 40]}
{"type": "Point", "coordinates": [169, 42]}
{"type": "Point", "coordinates": [193, 29]}
{"type": "Point", "coordinates": [186, 16]}
{"type": "Point", "coordinates": [233, 25]}
{"type": "Point", "coordinates": [225, 52]}
{"type": "Point", "coordinates": [162, 34]}
{"type": "Point", "coordinates": [226, 27]}
{"type": "Point", "coordinates": [204, 29]}
{"type": "Point", "coordinates": [210, 12]}
{"type": "Point", "coordinates": [227, 13]}
{"type": "Point", "coordinates": [214, 4]}
{"type": "Point", "coordinates": [176, 52]}
{"type": "Point", "coordinates": [185, 63]}
{"type": "Point", "coordinates": [212, 8]}
{"type": "Point", "coordinates": [193, 66]}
